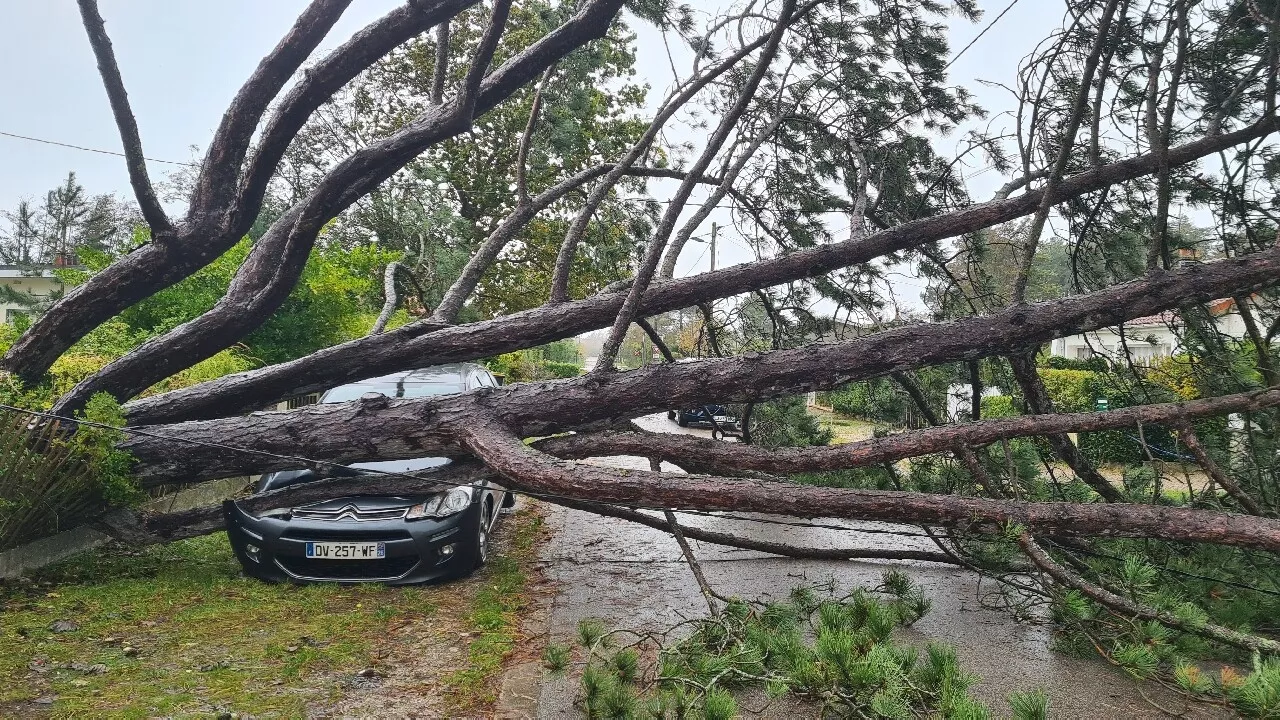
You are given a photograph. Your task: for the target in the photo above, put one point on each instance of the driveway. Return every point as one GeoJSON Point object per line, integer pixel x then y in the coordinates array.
{"type": "Point", "coordinates": [634, 577]}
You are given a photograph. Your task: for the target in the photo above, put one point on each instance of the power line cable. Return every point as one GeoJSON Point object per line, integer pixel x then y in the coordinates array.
{"type": "Point", "coordinates": [391, 473]}
{"type": "Point", "coordinates": [950, 62]}
{"type": "Point", "coordinates": [192, 164]}
{"type": "Point", "coordinates": [88, 149]}
{"type": "Point", "coordinates": [979, 35]}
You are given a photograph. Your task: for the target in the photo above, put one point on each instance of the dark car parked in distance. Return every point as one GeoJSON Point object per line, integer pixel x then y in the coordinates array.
{"type": "Point", "coordinates": [685, 417]}
{"type": "Point", "coordinates": [375, 538]}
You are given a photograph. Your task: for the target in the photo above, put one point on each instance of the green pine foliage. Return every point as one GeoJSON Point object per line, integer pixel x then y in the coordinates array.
{"type": "Point", "coordinates": [786, 422]}
{"type": "Point", "coordinates": [53, 478]}
{"type": "Point", "coordinates": [837, 653]}
{"type": "Point", "coordinates": [1196, 585]}
{"type": "Point", "coordinates": [1257, 696]}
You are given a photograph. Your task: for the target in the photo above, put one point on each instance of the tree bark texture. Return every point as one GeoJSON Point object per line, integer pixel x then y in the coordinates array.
{"type": "Point", "coordinates": [413, 428]}
{"type": "Point", "coordinates": [414, 345]}
{"type": "Point", "coordinates": [890, 448]}
{"type": "Point", "coordinates": [528, 470]}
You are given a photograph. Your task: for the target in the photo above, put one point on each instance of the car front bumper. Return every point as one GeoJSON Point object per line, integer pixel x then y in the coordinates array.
{"type": "Point", "coordinates": [417, 551]}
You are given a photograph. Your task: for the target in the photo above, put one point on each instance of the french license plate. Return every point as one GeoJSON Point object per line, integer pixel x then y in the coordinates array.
{"type": "Point", "coordinates": [347, 551]}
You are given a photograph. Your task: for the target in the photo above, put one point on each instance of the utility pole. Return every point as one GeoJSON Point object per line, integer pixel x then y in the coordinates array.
{"type": "Point", "coordinates": [714, 227]}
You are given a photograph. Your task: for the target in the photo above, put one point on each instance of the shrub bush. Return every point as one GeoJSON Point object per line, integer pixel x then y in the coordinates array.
{"type": "Point", "coordinates": [1071, 390]}
{"type": "Point", "coordinates": [998, 406]}
{"type": "Point", "coordinates": [562, 369]}
{"type": "Point", "coordinates": [875, 400]}
{"type": "Point", "coordinates": [786, 422]}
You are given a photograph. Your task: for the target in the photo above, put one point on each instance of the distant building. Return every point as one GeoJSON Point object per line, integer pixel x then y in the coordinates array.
{"type": "Point", "coordinates": [1147, 338]}
{"type": "Point", "coordinates": [37, 282]}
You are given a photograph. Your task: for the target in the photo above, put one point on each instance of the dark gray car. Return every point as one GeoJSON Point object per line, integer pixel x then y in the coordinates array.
{"type": "Point", "coordinates": [375, 538]}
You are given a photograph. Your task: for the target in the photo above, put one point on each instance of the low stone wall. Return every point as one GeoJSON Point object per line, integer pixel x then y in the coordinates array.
{"type": "Point", "coordinates": [46, 551]}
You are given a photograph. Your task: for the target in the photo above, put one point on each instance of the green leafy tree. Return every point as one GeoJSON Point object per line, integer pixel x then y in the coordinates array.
{"type": "Point", "coordinates": [444, 203]}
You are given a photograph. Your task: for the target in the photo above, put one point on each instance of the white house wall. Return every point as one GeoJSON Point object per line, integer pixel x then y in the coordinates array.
{"type": "Point", "coordinates": [34, 284]}
{"type": "Point", "coordinates": [1145, 342]}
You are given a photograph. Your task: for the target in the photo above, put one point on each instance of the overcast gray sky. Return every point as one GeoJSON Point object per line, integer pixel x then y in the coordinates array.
{"type": "Point", "coordinates": [183, 61]}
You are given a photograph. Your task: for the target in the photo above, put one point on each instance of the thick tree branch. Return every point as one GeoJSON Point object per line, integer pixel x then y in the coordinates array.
{"type": "Point", "coordinates": [276, 262]}
{"type": "Point", "coordinates": [167, 259]}
{"type": "Point", "coordinates": [549, 407]}
{"type": "Point", "coordinates": [390, 301]}
{"type": "Point", "coordinates": [125, 122]}
{"type": "Point", "coordinates": [320, 82]}
{"type": "Point", "coordinates": [440, 73]}
{"type": "Point", "coordinates": [891, 448]}
{"type": "Point", "coordinates": [219, 176]}
{"type": "Point", "coordinates": [408, 347]}
{"type": "Point", "coordinates": [528, 470]}
{"type": "Point", "coordinates": [146, 529]}
{"type": "Point", "coordinates": [468, 95]}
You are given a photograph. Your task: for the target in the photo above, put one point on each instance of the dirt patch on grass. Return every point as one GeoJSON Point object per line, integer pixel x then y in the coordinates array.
{"type": "Point", "coordinates": [177, 630]}
{"type": "Point", "coordinates": [450, 664]}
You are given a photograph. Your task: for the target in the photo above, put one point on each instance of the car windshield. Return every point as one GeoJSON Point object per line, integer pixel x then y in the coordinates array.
{"type": "Point", "coordinates": [404, 388]}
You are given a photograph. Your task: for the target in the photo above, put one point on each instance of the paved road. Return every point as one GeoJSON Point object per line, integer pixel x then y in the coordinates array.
{"type": "Point", "coordinates": [634, 577]}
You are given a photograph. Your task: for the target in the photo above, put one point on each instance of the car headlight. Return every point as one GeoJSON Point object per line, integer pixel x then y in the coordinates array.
{"type": "Point", "coordinates": [277, 513]}
{"type": "Point", "coordinates": [441, 505]}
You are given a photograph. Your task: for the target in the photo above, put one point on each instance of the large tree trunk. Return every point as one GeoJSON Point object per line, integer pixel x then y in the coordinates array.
{"type": "Point", "coordinates": [186, 452]}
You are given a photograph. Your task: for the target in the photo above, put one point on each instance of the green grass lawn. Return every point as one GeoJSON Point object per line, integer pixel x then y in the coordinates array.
{"type": "Point", "coordinates": [176, 630]}
{"type": "Point", "coordinates": [844, 428]}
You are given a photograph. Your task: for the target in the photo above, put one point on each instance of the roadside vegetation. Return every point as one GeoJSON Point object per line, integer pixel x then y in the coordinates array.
{"type": "Point", "coordinates": [177, 630]}
{"type": "Point", "coordinates": [495, 617]}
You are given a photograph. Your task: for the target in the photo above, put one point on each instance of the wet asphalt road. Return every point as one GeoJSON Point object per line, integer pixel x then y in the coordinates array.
{"type": "Point", "coordinates": [634, 577]}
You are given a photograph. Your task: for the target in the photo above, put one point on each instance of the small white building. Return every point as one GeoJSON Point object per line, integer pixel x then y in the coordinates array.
{"type": "Point", "coordinates": [1147, 338]}
{"type": "Point", "coordinates": [38, 282]}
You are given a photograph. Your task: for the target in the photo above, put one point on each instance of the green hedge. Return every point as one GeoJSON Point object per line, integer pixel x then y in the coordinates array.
{"type": "Point", "coordinates": [1078, 390]}
{"type": "Point", "coordinates": [998, 406]}
{"type": "Point", "coordinates": [875, 400]}
{"type": "Point", "coordinates": [562, 369]}
{"type": "Point", "coordinates": [1073, 390]}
